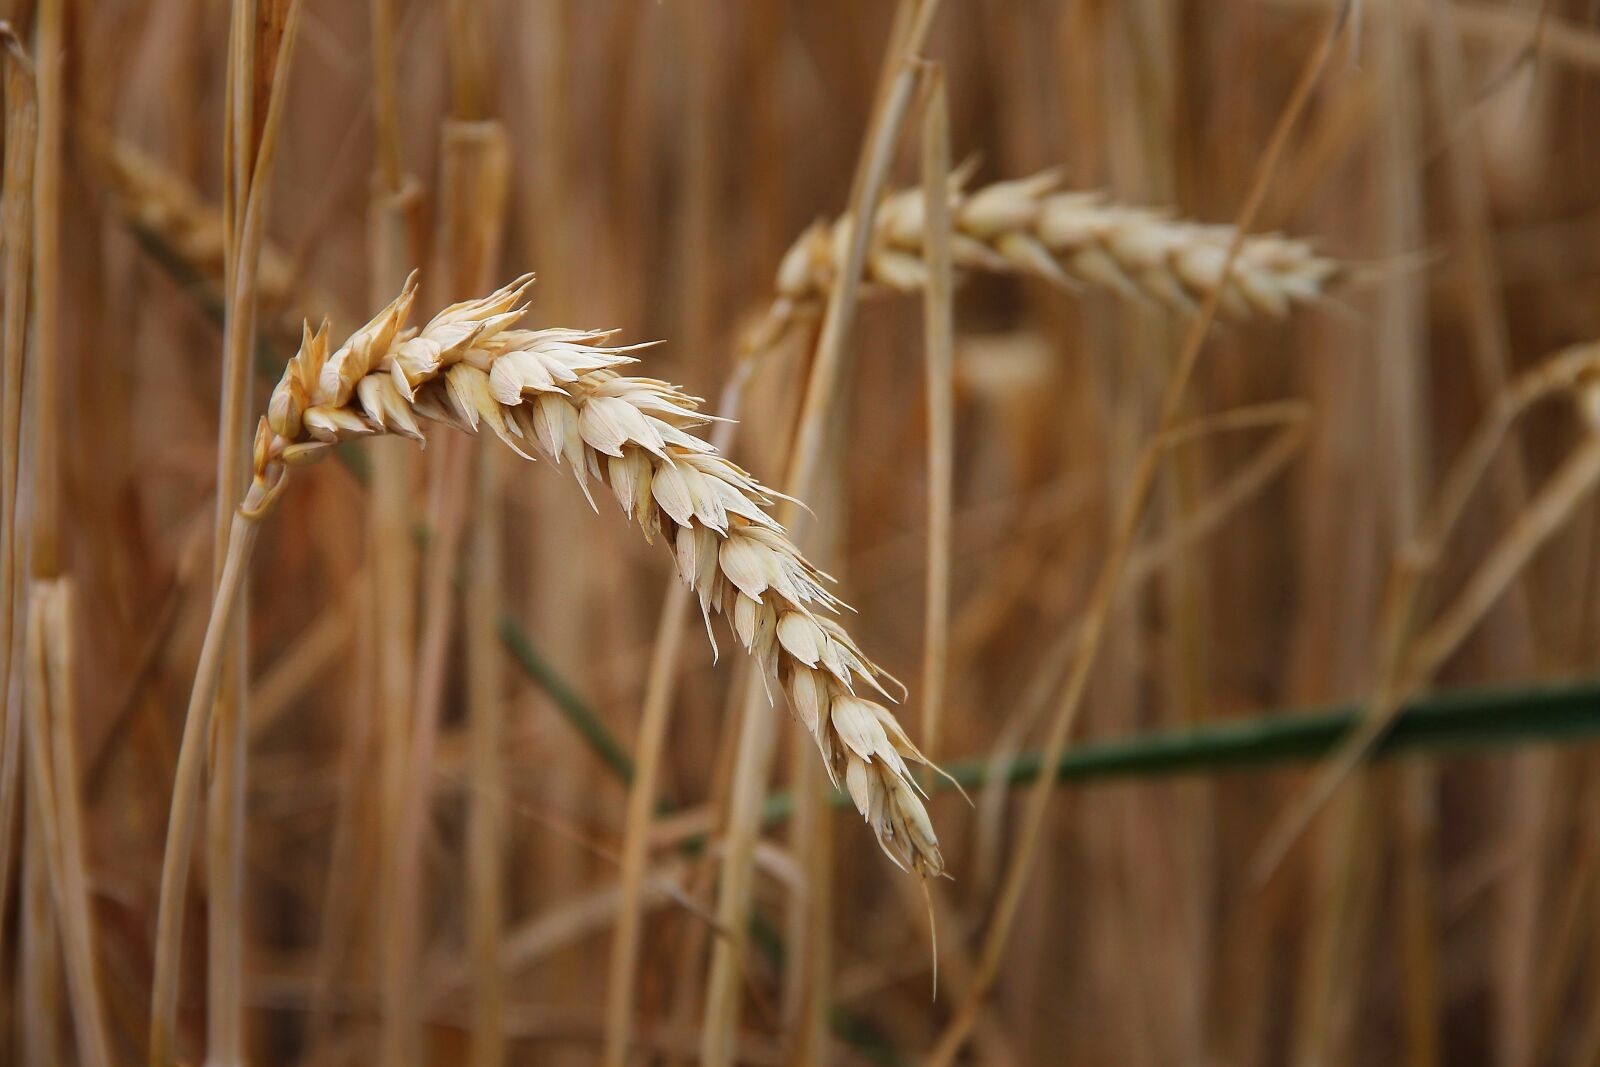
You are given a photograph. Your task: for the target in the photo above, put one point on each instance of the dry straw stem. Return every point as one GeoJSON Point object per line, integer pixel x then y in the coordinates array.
{"type": "Point", "coordinates": [259, 60]}
{"type": "Point", "coordinates": [39, 969]}
{"type": "Point", "coordinates": [654, 720]}
{"type": "Point", "coordinates": [260, 52]}
{"type": "Point", "coordinates": [53, 785]}
{"type": "Point", "coordinates": [902, 64]}
{"type": "Point", "coordinates": [394, 564]}
{"type": "Point", "coordinates": [16, 204]}
{"type": "Point", "coordinates": [477, 181]}
{"type": "Point", "coordinates": [939, 343]}
{"type": "Point", "coordinates": [1103, 596]}
{"type": "Point", "coordinates": [1410, 660]}
{"type": "Point", "coordinates": [186, 784]}
{"type": "Point", "coordinates": [44, 368]}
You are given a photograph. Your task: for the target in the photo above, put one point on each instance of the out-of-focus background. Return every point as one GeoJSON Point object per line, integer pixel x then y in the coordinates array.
{"type": "Point", "coordinates": [662, 159]}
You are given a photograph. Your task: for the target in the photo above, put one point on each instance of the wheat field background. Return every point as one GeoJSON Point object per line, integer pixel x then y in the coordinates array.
{"type": "Point", "coordinates": [1195, 404]}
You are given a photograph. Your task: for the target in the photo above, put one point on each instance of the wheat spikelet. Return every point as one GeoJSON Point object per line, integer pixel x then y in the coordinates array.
{"type": "Point", "coordinates": [559, 392]}
{"type": "Point", "coordinates": [1034, 226]}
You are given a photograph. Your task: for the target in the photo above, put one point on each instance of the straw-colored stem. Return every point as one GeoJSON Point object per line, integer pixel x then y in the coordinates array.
{"type": "Point", "coordinates": [16, 232]}
{"type": "Point", "coordinates": [751, 771]}
{"type": "Point", "coordinates": [385, 110]}
{"type": "Point", "coordinates": [653, 722]}
{"type": "Point", "coordinates": [400, 1031]}
{"type": "Point", "coordinates": [476, 182]}
{"type": "Point", "coordinates": [486, 736]}
{"type": "Point", "coordinates": [1487, 323]}
{"type": "Point", "coordinates": [348, 864]}
{"type": "Point", "coordinates": [1402, 338]}
{"type": "Point", "coordinates": [248, 160]}
{"type": "Point", "coordinates": [809, 954]}
{"type": "Point", "coordinates": [44, 369]}
{"type": "Point", "coordinates": [654, 719]}
{"type": "Point", "coordinates": [939, 343]}
{"type": "Point", "coordinates": [187, 781]}
{"type": "Point", "coordinates": [473, 161]}
{"type": "Point", "coordinates": [53, 790]}
{"type": "Point", "coordinates": [394, 564]}
{"type": "Point", "coordinates": [1103, 596]}
{"type": "Point", "coordinates": [871, 174]}
{"type": "Point", "coordinates": [758, 727]}
{"type": "Point", "coordinates": [39, 970]}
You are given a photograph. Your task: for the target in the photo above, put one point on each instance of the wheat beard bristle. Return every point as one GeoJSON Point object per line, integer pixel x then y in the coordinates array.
{"type": "Point", "coordinates": [559, 392]}
{"type": "Point", "coordinates": [1034, 226]}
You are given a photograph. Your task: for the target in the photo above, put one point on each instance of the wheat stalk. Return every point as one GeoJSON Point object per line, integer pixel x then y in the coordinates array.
{"type": "Point", "coordinates": [559, 392]}
{"type": "Point", "coordinates": [1034, 226]}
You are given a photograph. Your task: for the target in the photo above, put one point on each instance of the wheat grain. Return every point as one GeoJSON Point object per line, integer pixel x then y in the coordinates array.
{"type": "Point", "coordinates": [1036, 227]}
{"type": "Point", "coordinates": [559, 392]}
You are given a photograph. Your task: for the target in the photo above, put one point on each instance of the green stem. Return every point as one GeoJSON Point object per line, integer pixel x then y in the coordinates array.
{"type": "Point", "coordinates": [1451, 721]}
{"type": "Point", "coordinates": [566, 699]}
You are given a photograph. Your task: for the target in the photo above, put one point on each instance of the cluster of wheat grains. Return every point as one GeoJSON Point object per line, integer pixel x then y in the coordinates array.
{"type": "Point", "coordinates": [559, 392]}
{"type": "Point", "coordinates": [1035, 226]}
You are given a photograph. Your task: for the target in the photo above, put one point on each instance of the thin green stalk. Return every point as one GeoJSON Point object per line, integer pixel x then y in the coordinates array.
{"type": "Point", "coordinates": [1556, 713]}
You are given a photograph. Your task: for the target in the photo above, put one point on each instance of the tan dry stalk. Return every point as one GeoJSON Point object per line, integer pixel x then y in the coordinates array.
{"type": "Point", "coordinates": [939, 342]}
{"type": "Point", "coordinates": [486, 836]}
{"type": "Point", "coordinates": [186, 784]}
{"type": "Point", "coordinates": [260, 52]}
{"type": "Point", "coordinates": [476, 186]}
{"type": "Point", "coordinates": [348, 870]}
{"type": "Point", "coordinates": [756, 738]}
{"type": "Point", "coordinates": [394, 240]}
{"type": "Point", "coordinates": [53, 784]}
{"type": "Point", "coordinates": [654, 720]}
{"type": "Point", "coordinates": [1482, 292]}
{"type": "Point", "coordinates": [400, 1037]}
{"type": "Point", "coordinates": [39, 969]}
{"type": "Point", "coordinates": [16, 206]}
{"type": "Point", "coordinates": [1035, 227]}
{"type": "Point", "coordinates": [1402, 332]}
{"type": "Point", "coordinates": [1103, 596]}
{"type": "Point", "coordinates": [44, 370]}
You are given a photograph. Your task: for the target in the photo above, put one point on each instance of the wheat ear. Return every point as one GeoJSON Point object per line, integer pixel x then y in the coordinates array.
{"type": "Point", "coordinates": [559, 392]}
{"type": "Point", "coordinates": [1036, 227]}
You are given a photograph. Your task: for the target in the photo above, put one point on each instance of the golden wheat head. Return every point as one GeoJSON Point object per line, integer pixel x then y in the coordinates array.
{"type": "Point", "coordinates": [560, 392]}
{"type": "Point", "coordinates": [1034, 226]}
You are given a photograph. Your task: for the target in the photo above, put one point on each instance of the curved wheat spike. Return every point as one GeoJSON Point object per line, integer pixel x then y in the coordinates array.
{"type": "Point", "coordinates": [561, 393]}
